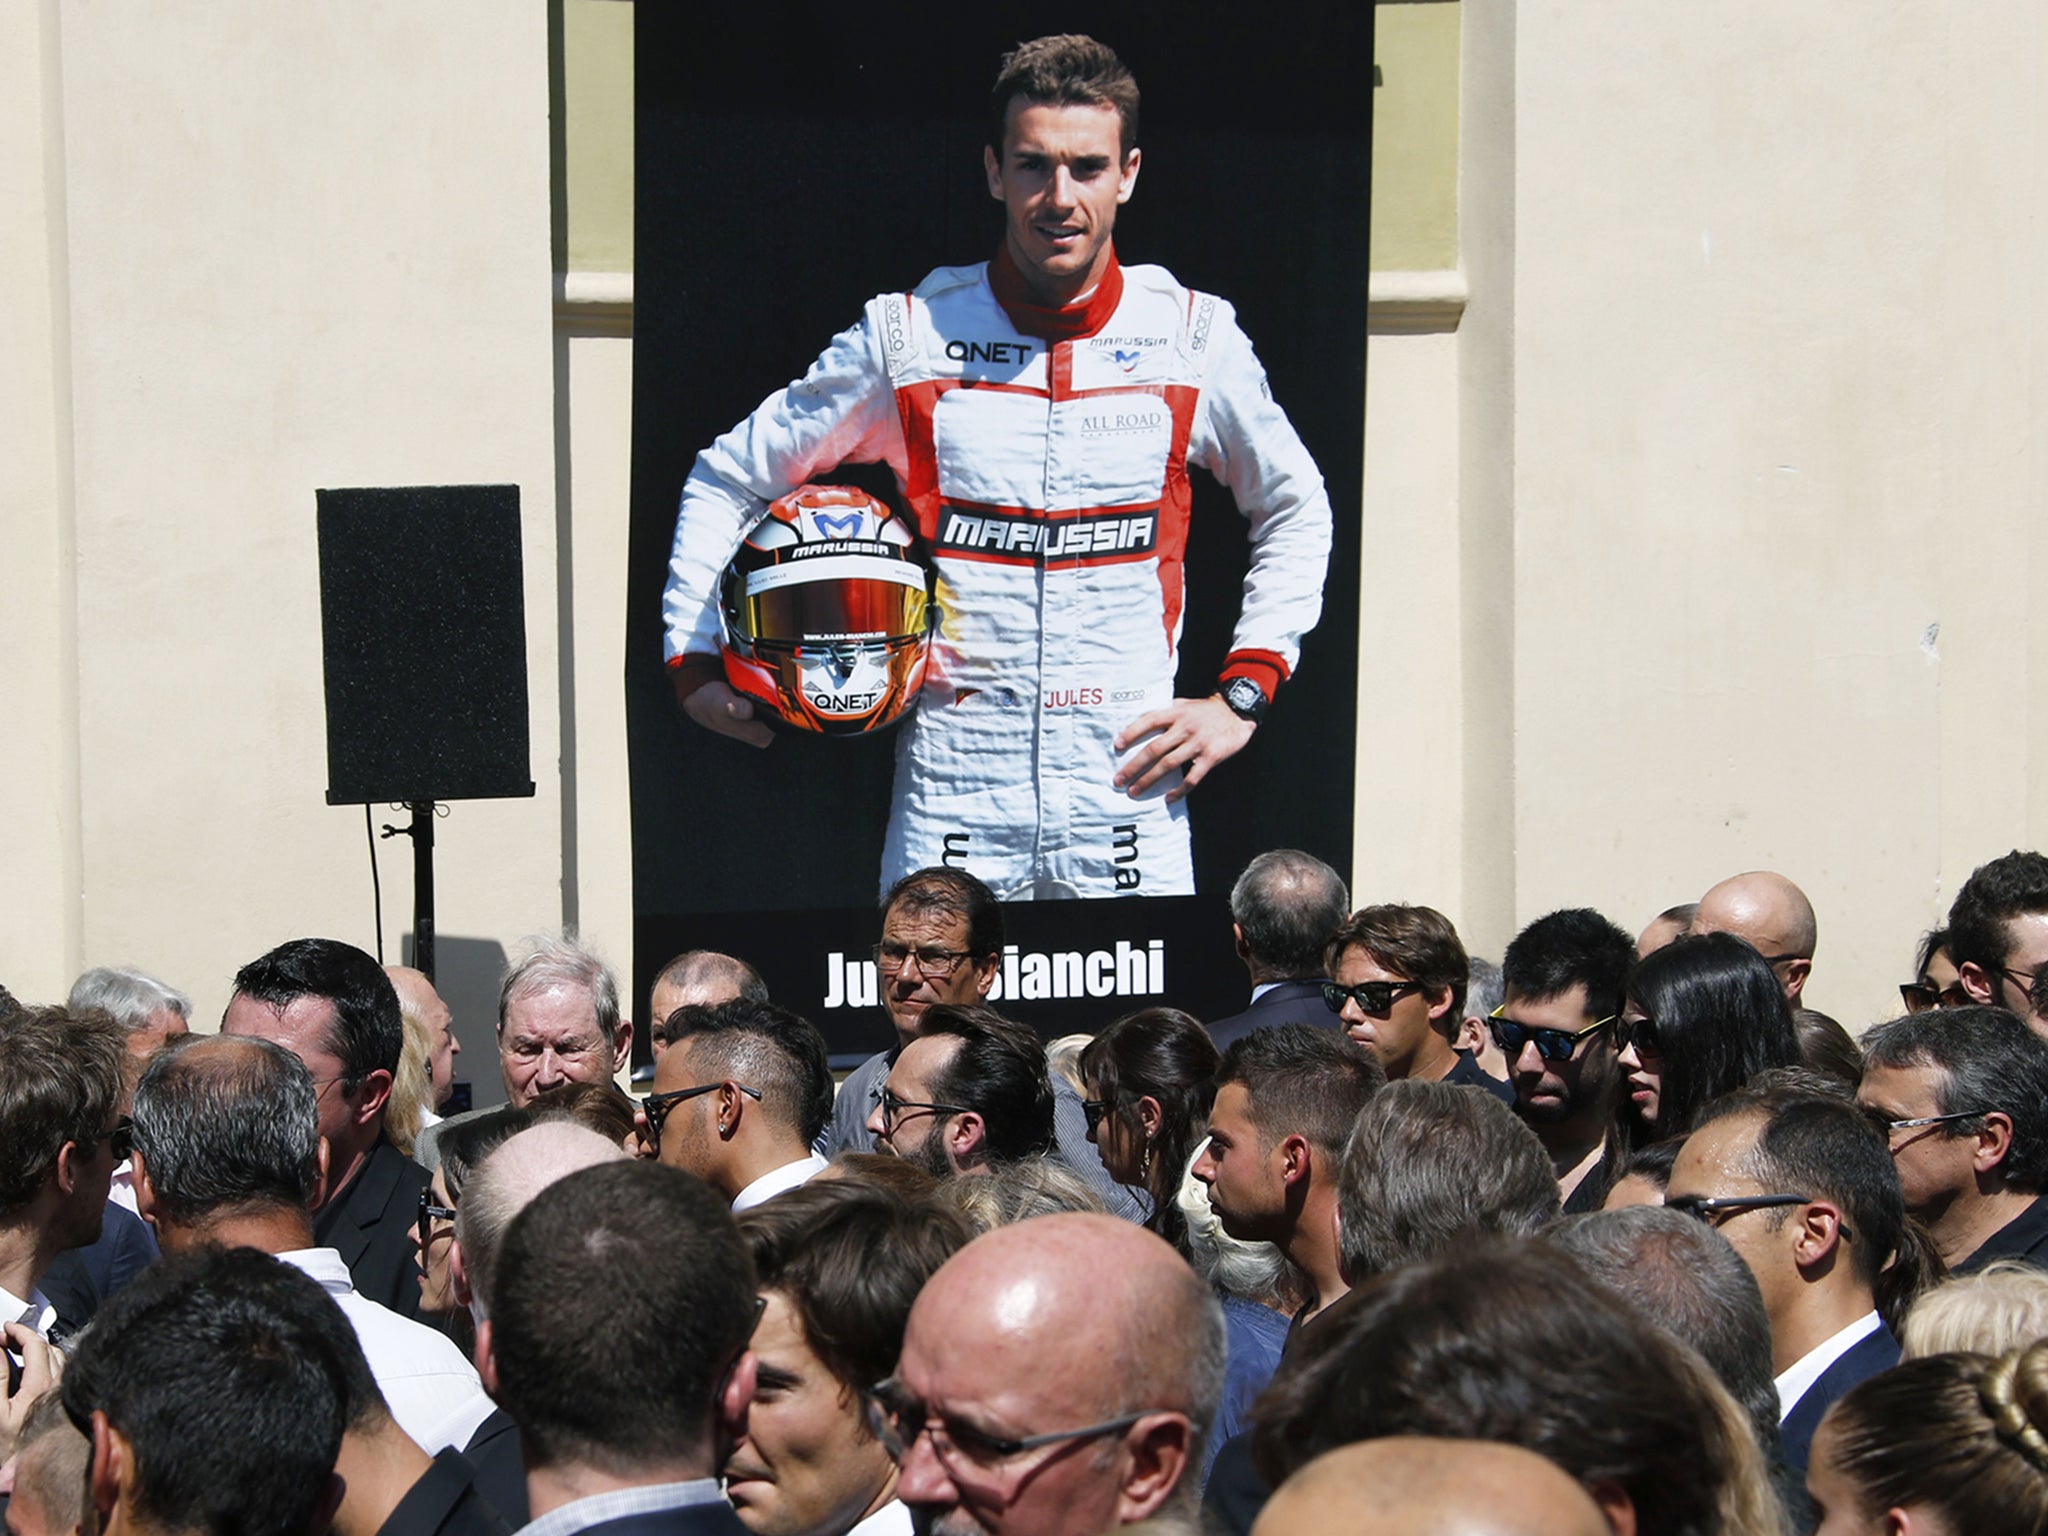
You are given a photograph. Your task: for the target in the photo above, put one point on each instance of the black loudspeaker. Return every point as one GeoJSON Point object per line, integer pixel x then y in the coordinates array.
{"type": "Point", "coordinates": [423, 640]}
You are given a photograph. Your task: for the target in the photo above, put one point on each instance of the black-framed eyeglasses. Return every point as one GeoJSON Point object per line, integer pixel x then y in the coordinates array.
{"type": "Point", "coordinates": [431, 1213]}
{"type": "Point", "coordinates": [1707, 1207]}
{"type": "Point", "coordinates": [1890, 1127]}
{"type": "Point", "coordinates": [1919, 996]}
{"type": "Point", "coordinates": [933, 960]}
{"type": "Point", "coordinates": [1093, 1111]}
{"type": "Point", "coordinates": [658, 1106]}
{"type": "Point", "coordinates": [893, 1109]}
{"type": "Point", "coordinates": [1640, 1033]}
{"type": "Point", "coordinates": [1551, 1044]}
{"type": "Point", "coordinates": [1371, 996]}
{"type": "Point", "coordinates": [897, 1420]}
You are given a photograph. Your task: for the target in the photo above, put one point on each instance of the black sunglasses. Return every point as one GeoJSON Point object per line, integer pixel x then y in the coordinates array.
{"type": "Point", "coordinates": [429, 1214]}
{"type": "Point", "coordinates": [893, 1108]}
{"type": "Point", "coordinates": [1093, 1111]}
{"type": "Point", "coordinates": [658, 1106]}
{"type": "Point", "coordinates": [1640, 1033]}
{"type": "Point", "coordinates": [1371, 996]}
{"type": "Point", "coordinates": [1551, 1044]}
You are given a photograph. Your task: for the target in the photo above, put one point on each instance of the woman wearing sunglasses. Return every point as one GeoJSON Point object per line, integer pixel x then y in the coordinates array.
{"type": "Point", "coordinates": [466, 1144]}
{"type": "Point", "coordinates": [1704, 1015]}
{"type": "Point", "coordinates": [1150, 1080]}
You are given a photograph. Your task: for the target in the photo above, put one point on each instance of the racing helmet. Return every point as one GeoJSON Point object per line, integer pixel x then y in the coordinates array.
{"type": "Point", "coordinates": [827, 613]}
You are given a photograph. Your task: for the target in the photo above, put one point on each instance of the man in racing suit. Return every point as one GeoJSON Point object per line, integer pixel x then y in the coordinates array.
{"type": "Point", "coordinates": [1040, 412]}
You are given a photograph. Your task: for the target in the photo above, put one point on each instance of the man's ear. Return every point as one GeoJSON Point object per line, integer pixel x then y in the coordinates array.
{"type": "Point", "coordinates": [985, 975]}
{"type": "Point", "coordinates": [1237, 935]}
{"type": "Point", "coordinates": [732, 1109]}
{"type": "Point", "coordinates": [66, 1171]}
{"type": "Point", "coordinates": [1156, 1451]}
{"type": "Point", "coordinates": [1128, 183]}
{"type": "Point", "coordinates": [487, 1357]}
{"type": "Point", "coordinates": [1440, 1008]}
{"type": "Point", "coordinates": [1819, 1234]}
{"type": "Point", "coordinates": [967, 1140]}
{"type": "Point", "coordinates": [1798, 968]}
{"type": "Point", "coordinates": [145, 1190]}
{"type": "Point", "coordinates": [622, 1047]}
{"type": "Point", "coordinates": [992, 167]}
{"type": "Point", "coordinates": [112, 1468]}
{"type": "Point", "coordinates": [1470, 1035]}
{"type": "Point", "coordinates": [1613, 1502]}
{"type": "Point", "coordinates": [320, 1176]}
{"type": "Point", "coordinates": [458, 1271]}
{"type": "Point", "coordinates": [1973, 979]}
{"type": "Point", "coordinates": [1297, 1159]}
{"type": "Point", "coordinates": [1994, 1141]}
{"type": "Point", "coordinates": [371, 1096]}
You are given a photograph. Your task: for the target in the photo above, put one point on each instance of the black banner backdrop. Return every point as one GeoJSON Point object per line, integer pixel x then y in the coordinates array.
{"type": "Point", "coordinates": [792, 161]}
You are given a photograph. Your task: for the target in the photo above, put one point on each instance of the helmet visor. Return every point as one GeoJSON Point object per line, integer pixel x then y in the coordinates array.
{"type": "Point", "coordinates": [835, 600]}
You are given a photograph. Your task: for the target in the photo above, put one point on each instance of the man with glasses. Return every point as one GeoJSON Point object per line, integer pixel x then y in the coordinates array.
{"type": "Point", "coordinates": [61, 1084]}
{"type": "Point", "coordinates": [1397, 985]}
{"type": "Point", "coordinates": [628, 1404]}
{"type": "Point", "coordinates": [228, 1154]}
{"type": "Point", "coordinates": [1963, 1096]}
{"type": "Point", "coordinates": [970, 1092]}
{"type": "Point", "coordinates": [1771, 915]}
{"type": "Point", "coordinates": [1998, 933]}
{"type": "Point", "coordinates": [333, 1007]}
{"type": "Point", "coordinates": [1802, 1188]}
{"type": "Point", "coordinates": [739, 1097]}
{"type": "Point", "coordinates": [1563, 980]}
{"type": "Point", "coordinates": [1057, 1376]}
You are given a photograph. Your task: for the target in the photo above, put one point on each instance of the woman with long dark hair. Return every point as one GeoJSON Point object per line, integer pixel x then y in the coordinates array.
{"type": "Point", "coordinates": [1703, 1016]}
{"type": "Point", "coordinates": [1150, 1082]}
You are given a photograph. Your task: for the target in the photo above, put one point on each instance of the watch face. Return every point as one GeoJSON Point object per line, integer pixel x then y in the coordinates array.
{"type": "Point", "coordinates": [1244, 697]}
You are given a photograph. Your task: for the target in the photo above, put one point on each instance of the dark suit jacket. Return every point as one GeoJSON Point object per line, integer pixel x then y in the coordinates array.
{"type": "Point", "coordinates": [82, 1278]}
{"type": "Point", "coordinates": [500, 1464]}
{"type": "Point", "coordinates": [444, 1502]}
{"type": "Point", "coordinates": [695, 1520]}
{"type": "Point", "coordinates": [370, 1222]}
{"type": "Point", "coordinates": [1867, 1357]}
{"type": "Point", "coordinates": [1291, 1002]}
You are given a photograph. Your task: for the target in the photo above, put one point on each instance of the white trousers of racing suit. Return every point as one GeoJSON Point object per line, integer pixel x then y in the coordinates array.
{"type": "Point", "coordinates": [1049, 483]}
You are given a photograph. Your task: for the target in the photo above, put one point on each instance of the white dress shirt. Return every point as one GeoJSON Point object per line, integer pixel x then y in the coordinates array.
{"type": "Point", "coordinates": [427, 1382]}
{"type": "Point", "coordinates": [36, 1312]}
{"type": "Point", "coordinates": [892, 1519]}
{"type": "Point", "coordinates": [1802, 1373]}
{"type": "Point", "coordinates": [776, 1180]}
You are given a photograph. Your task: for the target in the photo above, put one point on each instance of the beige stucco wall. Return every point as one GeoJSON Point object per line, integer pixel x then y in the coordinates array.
{"type": "Point", "coordinates": [292, 247]}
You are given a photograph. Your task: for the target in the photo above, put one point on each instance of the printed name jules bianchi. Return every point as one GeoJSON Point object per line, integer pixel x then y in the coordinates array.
{"type": "Point", "coordinates": [1126, 971]}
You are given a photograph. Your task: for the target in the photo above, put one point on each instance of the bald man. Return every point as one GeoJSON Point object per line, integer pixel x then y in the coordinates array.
{"type": "Point", "coordinates": [1666, 926]}
{"type": "Point", "coordinates": [1773, 915]}
{"type": "Point", "coordinates": [1058, 1377]}
{"type": "Point", "coordinates": [1415, 1487]}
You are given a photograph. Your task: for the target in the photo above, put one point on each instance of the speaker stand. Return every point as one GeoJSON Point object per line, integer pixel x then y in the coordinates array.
{"type": "Point", "coordinates": [421, 831]}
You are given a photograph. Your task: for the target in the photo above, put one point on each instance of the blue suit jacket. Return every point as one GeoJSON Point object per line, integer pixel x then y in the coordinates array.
{"type": "Point", "coordinates": [1867, 1357]}
{"type": "Point", "coordinates": [1290, 1002]}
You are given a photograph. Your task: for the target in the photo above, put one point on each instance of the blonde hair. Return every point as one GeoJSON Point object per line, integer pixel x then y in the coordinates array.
{"type": "Point", "coordinates": [2003, 1306]}
{"type": "Point", "coordinates": [412, 1085]}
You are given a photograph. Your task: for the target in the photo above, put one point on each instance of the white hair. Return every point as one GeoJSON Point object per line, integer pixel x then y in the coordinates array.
{"type": "Point", "coordinates": [129, 995]}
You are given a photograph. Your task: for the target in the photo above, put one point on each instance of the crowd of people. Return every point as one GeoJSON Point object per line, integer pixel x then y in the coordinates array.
{"type": "Point", "coordinates": [1615, 1236]}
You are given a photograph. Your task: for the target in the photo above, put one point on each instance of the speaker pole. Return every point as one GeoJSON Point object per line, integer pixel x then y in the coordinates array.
{"type": "Point", "coordinates": [422, 834]}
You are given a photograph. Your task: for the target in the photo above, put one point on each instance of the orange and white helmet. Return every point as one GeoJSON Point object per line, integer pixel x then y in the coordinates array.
{"type": "Point", "coordinates": [828, 612]}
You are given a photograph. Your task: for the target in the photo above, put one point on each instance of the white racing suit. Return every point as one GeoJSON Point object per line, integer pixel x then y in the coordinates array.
{"type": "Point", "coordinates": [1049, 484]}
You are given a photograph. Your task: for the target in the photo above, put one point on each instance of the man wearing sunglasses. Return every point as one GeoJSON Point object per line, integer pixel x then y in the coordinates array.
{"type": "Point", "coordinates": [1802, 1188]}
{"type": "Point", "coordinates": [1962, 1094]}
{"type": "Point", "coordinates": [60, 1097]}
{"type": "Point", "coordinates": [1057, 1376]}
{"type": "Point", "coordinates": [1562, 980]}
{"type": "Point", "coordinates": [1998, 933]}
{"type": "Point", "coordinates": [1398, 977]}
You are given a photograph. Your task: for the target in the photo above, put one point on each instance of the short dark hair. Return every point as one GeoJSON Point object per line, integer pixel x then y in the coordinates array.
{"type": "Point", "coordinates": [1933, 942]}
{"type": "Point", "coordinates": [1827, 1049]}
{"type": "Point", "coordinates": [225, 1122]}
{"type": "Point", "coordinates": [1418, 943]}
{"type": "Point", "coordinates": [1430, 1164]}
{"type": "Point", "coordinates": [1302, 1081]}
{"type": "Point", "coordinates": [1166, 1055]}
{"type": "Point", "coordinates": [952, 893]}
{"type": "Point", "coordinates": [202, 1363]}
{"type": "Point", "coordinates": [630, 1383]}
{"type": "Point", "coordinates": [1988, 1060]}
{"type": "Point", "coordinates": [2010, 886]}
{"type": "Point", "coordinates": [999, 1073]}
{"type": "Point", "coordinates": [1068, 70]}
{"type": "Point", "coordinates": [1512, 1341]}
{"type": "Point", "coordinates": [1569, 948]}
{"type": "Point", "coordinates": [1721, 1018]}
{"type": "Point", "coordinates": [851, 1259]}
{"type": "Point", "coordinates": [1683, 1275]}
{"type": "Point", "coordinates": [1826, 1148]}
{"type": "Point", "coordinates": [368, 1035]}
{"type": "Point", "coordinates": [60, 1080]}
{"type": "Point", "coordinates": [1286, 905]}
{"type": "Point", "coordinates": [769, 1048]}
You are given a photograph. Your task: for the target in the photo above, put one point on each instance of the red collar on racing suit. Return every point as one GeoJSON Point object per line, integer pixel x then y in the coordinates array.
{"type": "Point", "coordinates": [1069, 322]}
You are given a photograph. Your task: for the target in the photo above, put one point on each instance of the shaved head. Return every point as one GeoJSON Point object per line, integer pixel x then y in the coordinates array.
{"type": "Point", "coordinates": [1052, 1324]}
{"type": "Point", "coordinates": [1772, 915]}
{"type": "Point", "coordinates": [1414, 1487]}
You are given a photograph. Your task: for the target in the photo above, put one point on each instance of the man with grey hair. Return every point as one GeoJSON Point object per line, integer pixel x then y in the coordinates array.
{"type": "Point", "coordinates": [1283, 910]}
{"type": "Point", "coordinates": [228, 1154]}
{"type": "Point", "coordinates": [558, 1022]}
{"type": "Point", "coordinates": [502, 1186]}
{"type": "Point", "coordinates": [701, 978]}
{"type": "Point", "coordinates": [1080, 1331]}
{"type": "Point", "coordinates": [151, 1011]}
{"type": "Point", "coordinates": [1429, 1164]}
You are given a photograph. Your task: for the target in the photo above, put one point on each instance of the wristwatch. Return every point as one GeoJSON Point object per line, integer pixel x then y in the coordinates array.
{"type": "Point", "coordinates": [1246, 699]}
